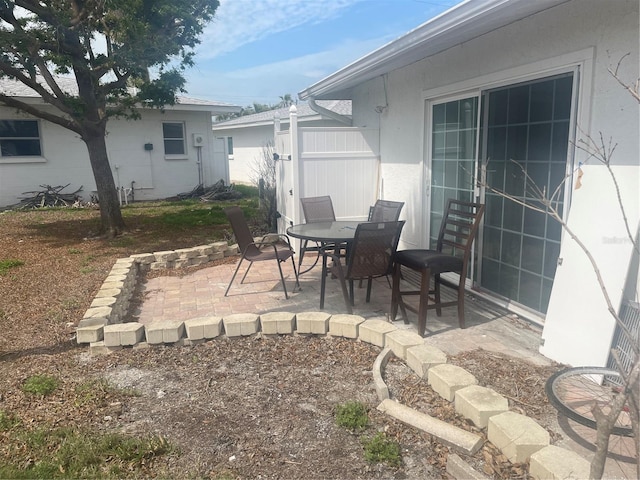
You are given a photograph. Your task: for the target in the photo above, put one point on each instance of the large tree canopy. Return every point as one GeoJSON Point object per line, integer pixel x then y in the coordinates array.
{"type": "Point", "coordinates": [122, 53]}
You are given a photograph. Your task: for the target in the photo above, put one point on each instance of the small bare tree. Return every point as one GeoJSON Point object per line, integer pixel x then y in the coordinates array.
{"type": "Point", "coordinates": [600, 151]}
{"type": "Point", "coordinates": [264, 177]}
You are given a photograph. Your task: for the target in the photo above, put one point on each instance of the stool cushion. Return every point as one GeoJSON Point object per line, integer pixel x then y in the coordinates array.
{"type": "Point", "coordinates": [436, 262]}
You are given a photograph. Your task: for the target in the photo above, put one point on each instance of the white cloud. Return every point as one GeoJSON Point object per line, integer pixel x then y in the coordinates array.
{"type": "Point", "coordinates": [239, 22]}
{"type": "Point", "coordinates": [301, 72]}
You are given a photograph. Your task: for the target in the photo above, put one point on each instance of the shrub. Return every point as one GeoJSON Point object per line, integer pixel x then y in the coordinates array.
{"type": "Point", "coordinates": [40, 385]}
{"type": "Point", "coordinates": [379, 449]}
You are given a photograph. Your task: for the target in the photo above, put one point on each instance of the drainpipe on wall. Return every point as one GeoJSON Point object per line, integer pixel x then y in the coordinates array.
{"type": "Point", "coordinates": [328, 113]}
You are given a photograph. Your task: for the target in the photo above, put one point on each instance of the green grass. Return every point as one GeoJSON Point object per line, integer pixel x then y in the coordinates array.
{"type": "Point", "coordinates": [379, 449]}
{"type": "Point", "coordinates": [6, 265]}
{"type": "Point", "coordinates": [69, 453]}
{"type": "Point", "coordinates": [352, 415]}
{"type": "Point", "coordinates": [8, 421]}
{"type": "Point", "coordinates": [40, 385]}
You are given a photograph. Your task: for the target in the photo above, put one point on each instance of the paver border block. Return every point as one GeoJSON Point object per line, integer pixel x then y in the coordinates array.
{"type": "Point", "coordinates": [400, 340]}
{"type": "Point", "coordinates": [517, 436]}
{"type": "Point", "coordinates": [203, 327]}
{"type": "Point", "coordinates": [241, 324]}
{"type": "Point", "coordinates": [90, 333]}
{"type": "Point", "coordinates": [461, 440]}
{"type": "Point", "coordinates": [461, 470]}
{"type": "Point", "coordinates": [378, 373]}
{"type": "Point", "coordinates": [123, 334]}
{"type": "Point", "coordinates": [278, 323]}
{"type": "Point", "coordinates": [374, 331]}
{"type": "Point", "coordinates": [447, 379]}
{"type": "Point", "coordinates": [345, 325]}
{"type": "Point", "coordinates": [164, 332]}
{"type": "Point", "coordinates": [478, 404]}
{"type": "Point", "coordinates": [420, 358]}
{"type": "Point", "coordinates": [315, 323]}
{"type": "Point", "coordinates": [556, 463]}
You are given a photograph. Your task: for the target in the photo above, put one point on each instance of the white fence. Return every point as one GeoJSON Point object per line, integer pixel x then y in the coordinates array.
{"type": "Point", "coordinates": [342, 162]}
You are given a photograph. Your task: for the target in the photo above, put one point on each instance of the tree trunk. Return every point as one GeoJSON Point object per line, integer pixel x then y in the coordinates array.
{"type": "Point", "coordinates": [110, 214]}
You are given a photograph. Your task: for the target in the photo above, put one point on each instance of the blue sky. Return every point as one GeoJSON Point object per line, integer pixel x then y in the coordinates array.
{"type": "Point", "coordinates": [258, 50]}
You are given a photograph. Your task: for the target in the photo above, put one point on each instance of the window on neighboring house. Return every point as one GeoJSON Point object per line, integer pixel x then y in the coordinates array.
{"type": "Point", "coordinates": [230, 146]}
{"type": "Point", "coordinates": [173, 134]}
{"type": "Point", "coordinates": [20, 138]}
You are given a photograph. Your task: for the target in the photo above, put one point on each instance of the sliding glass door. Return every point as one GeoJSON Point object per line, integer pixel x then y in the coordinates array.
{"type": "Point", "coordinates": [522, 139]}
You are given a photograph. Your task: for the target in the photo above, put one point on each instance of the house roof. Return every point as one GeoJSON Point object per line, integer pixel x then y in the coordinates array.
{"type": "Point", "coordinates": [462, 23]}
{"type": "Point", "coordinates": [15, 88]}
{"type": "Point", "coordinates": [305, 113]}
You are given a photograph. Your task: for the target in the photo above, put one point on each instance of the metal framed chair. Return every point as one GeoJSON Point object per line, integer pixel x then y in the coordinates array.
{"type": "Point", "coordinates": [369, 255]}
{"type": "Point", "coordinates": [453, 250]}
{"type": "Point", "coordinates": [385, 211]}
{"type": "Point", "coordinates": [252, 251]}
{"type": "Point", "coordinates": [315, 210]}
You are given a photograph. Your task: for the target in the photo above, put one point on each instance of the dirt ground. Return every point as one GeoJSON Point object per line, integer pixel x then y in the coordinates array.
{"type": "Point", "coordinates": [257, 407]}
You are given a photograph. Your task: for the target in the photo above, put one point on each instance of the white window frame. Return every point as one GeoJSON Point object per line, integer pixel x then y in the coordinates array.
{"type": "Point", "coordinates": [24, 158]}
{"type": "Point", "coordinates": [175, 156]}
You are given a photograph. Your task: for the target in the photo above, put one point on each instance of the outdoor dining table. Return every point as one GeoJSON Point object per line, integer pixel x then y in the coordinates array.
{"type": "Point", "coordinates": [336, 232]}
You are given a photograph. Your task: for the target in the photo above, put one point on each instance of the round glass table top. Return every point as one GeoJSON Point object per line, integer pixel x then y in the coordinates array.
{"type": "Point", "coordinates": [336, 231]}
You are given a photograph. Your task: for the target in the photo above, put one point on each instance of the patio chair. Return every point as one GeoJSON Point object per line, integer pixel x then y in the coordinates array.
{"type": "Point", "coordinates": [453, 251]}
{"type": "Point", "coordinates": [315, 210]}
{"type": "Point", "coordinates": [385, 211]}
{"type": "Point", "coordinates": [265, 250]}
{"type": "Point", "coordinates": [369, 256]}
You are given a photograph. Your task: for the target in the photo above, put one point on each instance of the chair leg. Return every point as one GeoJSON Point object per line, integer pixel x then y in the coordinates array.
{"type": "Point", "coordinates": [245, 273]}
{"type": "Point", "coordinates": [395, 292]}
{"type": "Point", "coordinates": [369, 283]}
{"type": "Point", "coordinates": [436, 288]}
{"type": "Point", "coordinates": [351, 293]}
{"type": "Point", "coordinates": [424, 301]}
{"type": "Point", "coordinates": [295, 273]}
{"type": "Point", "coordinates": [303, 248]}
{"type": "Point", "coordinates": [234, 276]}
{"type": "Point", "coordinates": [284, 286]}
{"type": "Point", "coordinates": [323, 281]}
{"type": "Point", "coordinates": [461, 302]}
{"type": "Point", "coordinates": [348, 299]}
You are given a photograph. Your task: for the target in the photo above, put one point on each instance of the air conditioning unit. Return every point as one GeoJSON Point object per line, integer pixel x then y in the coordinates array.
{"type": "Point", "coordinates": [198, 139]}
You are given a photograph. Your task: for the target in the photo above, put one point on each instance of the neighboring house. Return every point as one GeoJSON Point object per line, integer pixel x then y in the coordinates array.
{"type": "Point", "coordinates": [164, 153]}
{"type": "Point", "coordinates": [493, 80]}
{"type": "Point", "coordinates": [246, 137]}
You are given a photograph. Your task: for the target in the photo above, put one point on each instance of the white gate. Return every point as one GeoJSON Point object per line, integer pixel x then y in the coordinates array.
{"type": "Point", "coordinates": [338, 161]}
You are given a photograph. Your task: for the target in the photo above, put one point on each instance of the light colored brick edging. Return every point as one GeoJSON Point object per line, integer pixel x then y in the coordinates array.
{"type": "Point", "coordinates": [101, 327]}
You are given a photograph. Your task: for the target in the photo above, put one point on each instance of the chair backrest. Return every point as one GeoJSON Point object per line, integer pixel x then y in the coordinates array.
{"type": "Point", "coordinates": [372, 249]}
{"type": "Point", "coordinates": [241, 231]}
{"type": "Point", "coordinates": [459, 228]}
{"type": "Point", "coordinates": [385, 211]}
{"type": "Point", "coordinates": [318, 209]}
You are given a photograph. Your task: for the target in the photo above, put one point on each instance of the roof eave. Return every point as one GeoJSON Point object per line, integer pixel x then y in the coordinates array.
{"type": "Point", "coordinates": [463, 22]}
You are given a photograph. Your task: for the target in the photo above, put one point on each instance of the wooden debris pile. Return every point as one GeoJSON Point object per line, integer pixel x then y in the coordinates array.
{"type": "Point", "coordinates": [217, 191]}
{"type": "Point", "coordinates": [48, 197]}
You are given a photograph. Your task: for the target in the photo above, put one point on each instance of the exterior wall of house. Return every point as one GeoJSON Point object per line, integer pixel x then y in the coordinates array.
{"type": "Point", "coordinates": [591, 35]}
{"type": "Point", "coordinates": [65, 159]}
{"type": "Point", "coordinates": [248, 144]}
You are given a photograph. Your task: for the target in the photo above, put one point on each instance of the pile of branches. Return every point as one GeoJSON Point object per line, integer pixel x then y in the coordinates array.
{"type": "Point", "coordinates": [217, 191]}
{"type": "Point", "coordinates": [48, 197]}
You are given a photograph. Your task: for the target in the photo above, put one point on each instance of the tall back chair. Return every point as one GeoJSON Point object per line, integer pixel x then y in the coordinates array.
{"type": "Point", "coordinates": [261, 251]}
{"type": "Point", "coordinates": [315, 210]}
{"type": "Point", "coordinates": [369, 255]}
{"type": "Point", "coordinates": [385, 211]}
{"type": "Point", "coordinates": [453, 250]}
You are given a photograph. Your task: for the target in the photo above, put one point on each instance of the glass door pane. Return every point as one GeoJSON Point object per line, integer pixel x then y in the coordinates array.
{"type": "Point", "coordinates": [453, 156]}
{"type": "Point", "coordinates": [526, 139]}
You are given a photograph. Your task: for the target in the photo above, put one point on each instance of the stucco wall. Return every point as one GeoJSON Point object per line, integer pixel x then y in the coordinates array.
{"type": "Point", "coordinates": [591, 34]}
{"type": "Point", "coordinates": [65, 159]}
